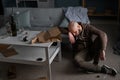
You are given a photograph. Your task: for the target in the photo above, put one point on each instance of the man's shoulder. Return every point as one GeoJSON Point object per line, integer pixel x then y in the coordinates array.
{"type": "Point", "coordinates": [86, 26]}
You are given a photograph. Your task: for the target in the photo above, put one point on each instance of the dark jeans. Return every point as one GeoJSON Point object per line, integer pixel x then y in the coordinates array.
{"type": "Point", "coordinates": [83, 57]}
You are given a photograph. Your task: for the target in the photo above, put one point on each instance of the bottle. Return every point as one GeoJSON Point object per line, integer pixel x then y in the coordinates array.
{"type": "Point", "coordinates": [13, 26]}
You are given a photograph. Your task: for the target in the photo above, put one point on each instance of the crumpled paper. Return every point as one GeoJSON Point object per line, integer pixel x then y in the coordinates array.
{"type": "Point", "coordinates": [7, 51]}
{"type": "Point", "coordinates": [51, 35]}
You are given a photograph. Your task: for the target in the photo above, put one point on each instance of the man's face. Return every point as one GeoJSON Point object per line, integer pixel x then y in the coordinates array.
{"type": "Point", "coordinates": [74, 30]}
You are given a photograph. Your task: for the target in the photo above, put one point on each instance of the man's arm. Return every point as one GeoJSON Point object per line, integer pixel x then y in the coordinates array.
{"type": "Point", "coordinates": [71, 38]}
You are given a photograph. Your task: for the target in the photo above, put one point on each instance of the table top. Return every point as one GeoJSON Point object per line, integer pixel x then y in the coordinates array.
{"type": "Point", "coordinates": [17, 40]}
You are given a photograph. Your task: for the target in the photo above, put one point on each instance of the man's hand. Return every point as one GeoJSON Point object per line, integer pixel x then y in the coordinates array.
{"type": "Point", "coordinates": [102, 55]}
{"type": "Point", "coordinates": [71, 38]}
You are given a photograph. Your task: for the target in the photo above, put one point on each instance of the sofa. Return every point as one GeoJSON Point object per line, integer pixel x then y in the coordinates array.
{"type": "Point", "coordinates": [39, 17]}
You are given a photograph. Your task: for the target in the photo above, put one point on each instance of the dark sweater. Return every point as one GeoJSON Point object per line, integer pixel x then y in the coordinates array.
{"type": "Point", "coordinates": [85, 38]}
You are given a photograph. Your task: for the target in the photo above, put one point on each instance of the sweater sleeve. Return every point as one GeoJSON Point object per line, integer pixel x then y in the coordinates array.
{"type": "Point", "coordinates": [101, 34]}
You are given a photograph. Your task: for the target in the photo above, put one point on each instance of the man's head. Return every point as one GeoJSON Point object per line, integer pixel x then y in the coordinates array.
{"type": "Point", "coordinates": [74, 28]}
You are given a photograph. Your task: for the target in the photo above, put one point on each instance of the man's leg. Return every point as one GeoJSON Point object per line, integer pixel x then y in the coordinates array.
{"type": "Point", "coordinates": [81, 57]}
{"type": "Point", "coordinates": [95, 50]}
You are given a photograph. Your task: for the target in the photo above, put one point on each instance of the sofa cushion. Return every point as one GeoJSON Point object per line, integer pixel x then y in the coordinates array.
{"type": "Point", "coordinates": [23, 19]}
{"type": "Point", "coordinates": [46, 17]}
{"type": "Point", "coordinates": [64, 23]}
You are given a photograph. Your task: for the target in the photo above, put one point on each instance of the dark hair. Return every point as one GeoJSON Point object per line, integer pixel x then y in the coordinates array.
{"type": "Point", "coordinates": [79, 23]}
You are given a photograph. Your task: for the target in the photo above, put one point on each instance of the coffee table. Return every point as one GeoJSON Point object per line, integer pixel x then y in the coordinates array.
{"type": "Point", "coordinates": [35, 54]}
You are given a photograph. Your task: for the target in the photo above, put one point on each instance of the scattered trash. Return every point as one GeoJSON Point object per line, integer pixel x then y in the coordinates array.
{"type": "Point", "coordinates": [98, 76]}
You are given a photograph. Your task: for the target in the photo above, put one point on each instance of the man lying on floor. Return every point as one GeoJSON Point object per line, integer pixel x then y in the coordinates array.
{"type": "Point", "coordinates": [86, 49]}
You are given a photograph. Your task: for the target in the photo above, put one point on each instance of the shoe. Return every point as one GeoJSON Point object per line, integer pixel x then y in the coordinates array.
{"type": "Point", "coordinates": [107, 70]}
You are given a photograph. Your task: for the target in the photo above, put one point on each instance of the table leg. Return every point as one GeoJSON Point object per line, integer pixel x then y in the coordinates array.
{"type": "Point", "coordinates": [59, 54]}
{"type": "Point", "coordinates": [48, 64]}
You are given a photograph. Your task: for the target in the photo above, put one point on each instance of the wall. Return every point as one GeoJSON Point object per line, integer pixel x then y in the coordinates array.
{"type": "Point", "coordinates": [119, 12]}
{"type": "Point", "coordinates": [66, 3]}
{"type": "Point", "coordinates": [1, 8]}
{"type": "Point", "coordinates": [12, 3]}
{"type": "Point", "coordinates": [9, 3]}
{"type": "Point", "coordinates": [100, 5]}
{"type": "Point", "coordinates": [49, 3]}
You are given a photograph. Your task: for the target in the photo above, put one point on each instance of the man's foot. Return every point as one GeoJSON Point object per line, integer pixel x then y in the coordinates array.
{"type": "Point", "coordinates": [107, 70]}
